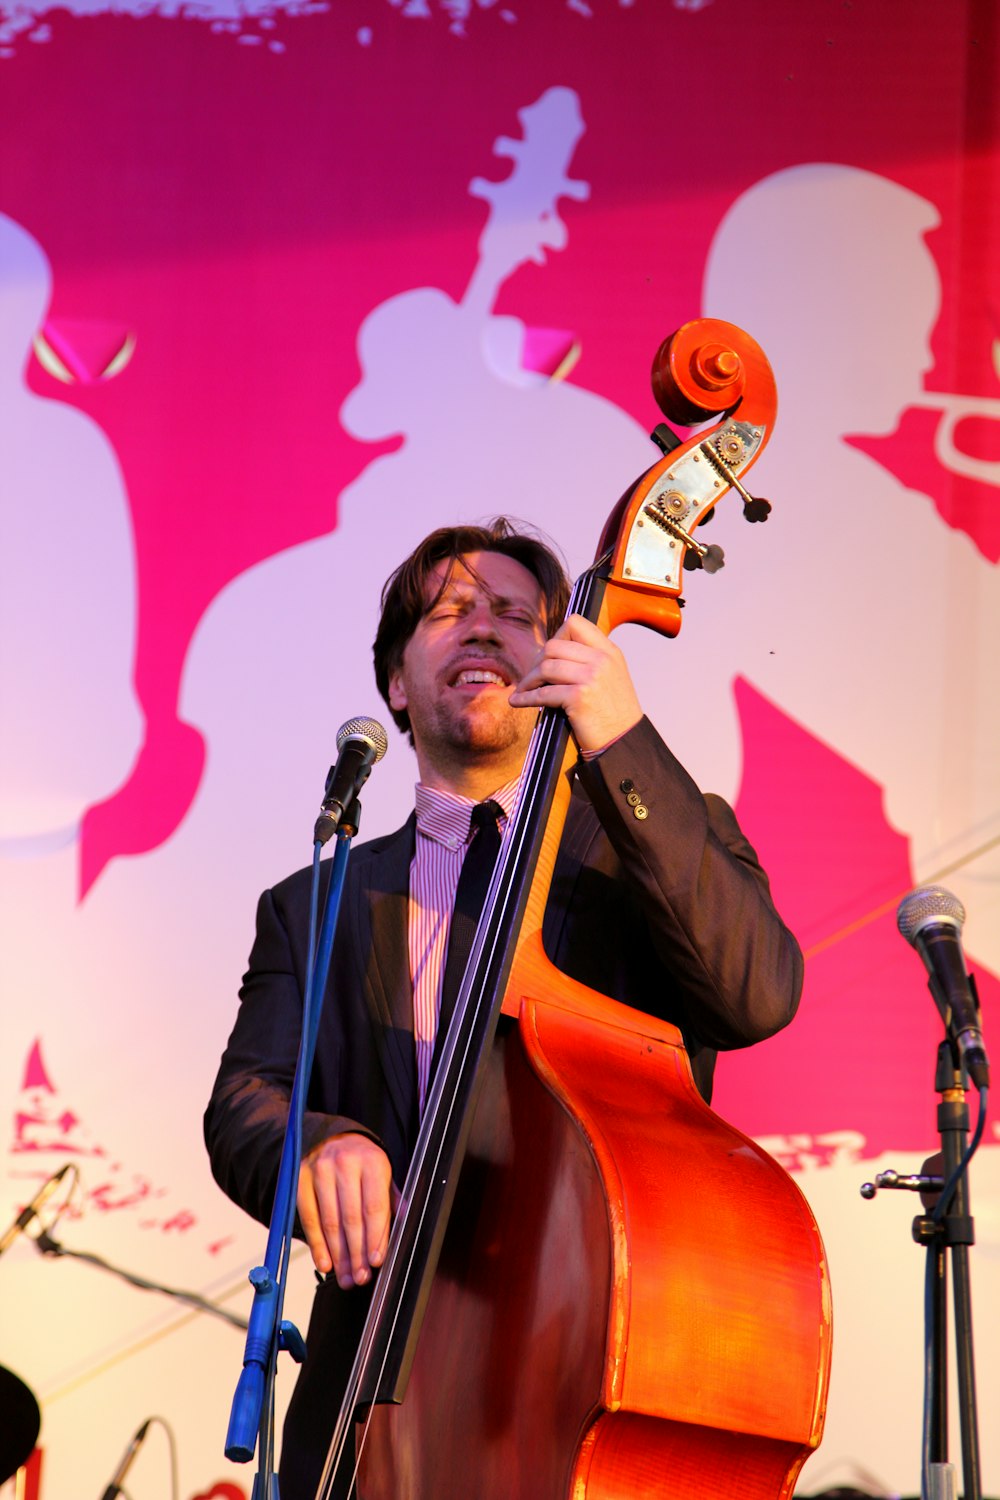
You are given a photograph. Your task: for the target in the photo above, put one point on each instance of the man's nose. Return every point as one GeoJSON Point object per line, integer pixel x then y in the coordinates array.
{"type": "Point", "coordinates": [481, 622]}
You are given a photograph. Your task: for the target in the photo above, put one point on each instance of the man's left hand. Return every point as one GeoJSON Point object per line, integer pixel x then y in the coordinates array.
{"type": "Point", "coordinates": [582, 672]}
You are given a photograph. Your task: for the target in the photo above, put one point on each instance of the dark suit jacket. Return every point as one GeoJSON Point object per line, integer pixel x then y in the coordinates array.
{"type": "Point", "coordinates": [670, 913]}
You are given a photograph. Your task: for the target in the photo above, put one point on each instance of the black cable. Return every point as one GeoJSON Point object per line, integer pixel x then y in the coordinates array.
{"type": "Point", "coordinates": [48, 1246]}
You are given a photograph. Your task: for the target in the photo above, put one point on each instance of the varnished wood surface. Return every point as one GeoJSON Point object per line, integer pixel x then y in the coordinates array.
{"type": "Point", "coordinates": [510, 1362]}
{"type": "Point", "coordinates": [631, 1299]}
{"type": "Point", "coordinates": [718, 1271]}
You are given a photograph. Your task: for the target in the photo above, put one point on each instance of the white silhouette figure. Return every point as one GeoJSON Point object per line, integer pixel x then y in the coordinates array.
{"type": "Point", "coordinates": [114, 1096]}
{"type": "Point", "coordinates": [71, 722]}
{"type": "Point", "coordinates": [282, 656]}
{"type": "Point", "coordinates": [279, 661]}
{"type": "Point", "coordinates": [856, 609]}
{"type": "Point", "coordinates": [872, 623]}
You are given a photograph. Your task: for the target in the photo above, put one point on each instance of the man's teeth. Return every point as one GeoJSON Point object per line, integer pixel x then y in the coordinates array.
{"type": "Point", "coordinates": [478, 675]}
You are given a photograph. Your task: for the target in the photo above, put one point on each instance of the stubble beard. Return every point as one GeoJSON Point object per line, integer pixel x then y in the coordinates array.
{"type": "Point", "coordinates": [482, 736]}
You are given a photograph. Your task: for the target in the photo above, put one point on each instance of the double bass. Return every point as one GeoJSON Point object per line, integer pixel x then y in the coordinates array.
{"type": "Point", "coordinates": [595, 1288]}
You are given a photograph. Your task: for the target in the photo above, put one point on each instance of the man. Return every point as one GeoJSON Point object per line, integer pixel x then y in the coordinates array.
{"type": "Point", "coordinates": [659, 903]}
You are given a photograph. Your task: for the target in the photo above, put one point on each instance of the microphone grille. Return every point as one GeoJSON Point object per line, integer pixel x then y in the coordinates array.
{"type": "Point", "coordinates": [364, 729]}
{"type": "Point", "coordinates": [932, 903]}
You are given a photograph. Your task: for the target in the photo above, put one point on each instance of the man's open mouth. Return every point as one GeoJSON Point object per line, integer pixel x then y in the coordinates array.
{"type": "Point", "coordinates": [478, 676]}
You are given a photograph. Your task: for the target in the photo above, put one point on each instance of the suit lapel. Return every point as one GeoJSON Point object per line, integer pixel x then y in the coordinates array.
{"type": "Point", "coordinates": [380, 906]}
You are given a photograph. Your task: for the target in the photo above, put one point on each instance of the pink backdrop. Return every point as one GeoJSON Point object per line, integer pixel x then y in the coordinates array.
{"type": "Point", "coordinates": [280, 291]}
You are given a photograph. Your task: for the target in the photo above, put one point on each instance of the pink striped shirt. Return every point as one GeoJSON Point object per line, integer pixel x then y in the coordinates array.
{"type": "Point", "coordinates": [443, 827]}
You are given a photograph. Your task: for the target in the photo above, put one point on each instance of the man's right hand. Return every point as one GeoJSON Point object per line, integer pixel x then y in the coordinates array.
{"type": "Point", "coordinates": [345, 1202]}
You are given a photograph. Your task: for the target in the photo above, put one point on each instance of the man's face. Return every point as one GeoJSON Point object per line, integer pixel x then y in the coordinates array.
{"type": "Point", "coordinates": [462, 661]}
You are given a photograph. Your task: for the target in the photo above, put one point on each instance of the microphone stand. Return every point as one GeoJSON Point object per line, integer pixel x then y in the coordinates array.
{"type": "Point", "coordinates": [252, 1413]}
{"type": "Point", "coordinates": [948, 1227]}
{"type": "Point", "coordinates": [953, 1230]}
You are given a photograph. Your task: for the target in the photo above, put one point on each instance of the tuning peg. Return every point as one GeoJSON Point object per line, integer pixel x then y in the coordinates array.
{"type": "Point", "coordinates": [710, 558]}
{"type": "Point", "coordinates": [665, 438]}
{"type": "Point", "coordinates": [755, 509]}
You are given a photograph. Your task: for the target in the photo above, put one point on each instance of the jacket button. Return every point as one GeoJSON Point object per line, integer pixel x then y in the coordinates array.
{"type": "Point", "coordinates": [640, 812]}
{"type": "Point", "coordinates": [626, 785]}
{"type": "Point", "coordinates": [633, 799]}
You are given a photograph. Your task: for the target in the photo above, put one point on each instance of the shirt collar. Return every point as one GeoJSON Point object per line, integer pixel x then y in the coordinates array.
{"type": "Point", "coordinates": [445, 816]}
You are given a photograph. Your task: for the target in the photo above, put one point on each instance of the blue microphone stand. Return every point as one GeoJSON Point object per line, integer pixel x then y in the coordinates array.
{"type": "Point", "coordinates": [252, 1414]}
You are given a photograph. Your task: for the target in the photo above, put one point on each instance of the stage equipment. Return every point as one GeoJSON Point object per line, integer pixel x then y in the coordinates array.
{"type": "Point", "coordinates": [362, 743]}
{"type": "Point", "coordinates": [26, 1215]}
{"type": "Point", "coordinates": [931, 919]}
{"type": "Point", "coordinates": [19, 1425]}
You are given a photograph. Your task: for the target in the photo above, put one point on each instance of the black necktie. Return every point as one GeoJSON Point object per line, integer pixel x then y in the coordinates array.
{"type": "Point", "coordinates": [473, 883]}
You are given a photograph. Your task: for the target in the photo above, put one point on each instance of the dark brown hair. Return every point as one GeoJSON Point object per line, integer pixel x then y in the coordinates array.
{"type": "Point", "coordinates": [404, 597]}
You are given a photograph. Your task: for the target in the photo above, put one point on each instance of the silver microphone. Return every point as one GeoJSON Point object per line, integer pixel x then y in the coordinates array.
{"type": "Point", "coordinates": [931, 920]}
{"type": "Point", "coordinates": [361, 743]}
